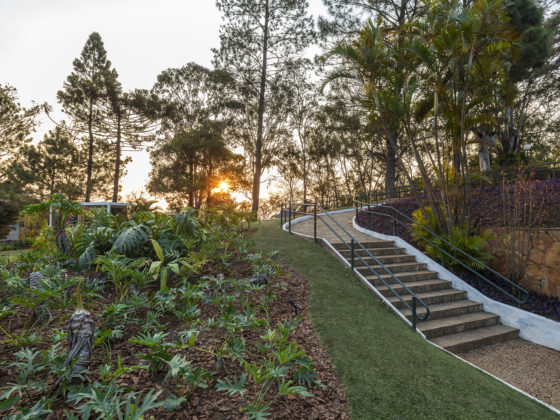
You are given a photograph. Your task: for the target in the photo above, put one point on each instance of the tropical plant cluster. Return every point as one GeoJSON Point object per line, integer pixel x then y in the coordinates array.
{"type": "Point", "coordinates": [177, 321]}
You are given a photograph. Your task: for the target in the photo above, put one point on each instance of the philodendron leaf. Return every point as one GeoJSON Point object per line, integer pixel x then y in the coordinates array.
{"type": "Point", "coordinates": [234, 386]}
{"type": "Point", "coordinates": [157, 248]}
{"type": "Point", "coordinates": [154, 268]}
{"type": "Point", "coordinates": [174, 267]}
{"type": "Point", "coordinates": [172, 402]}
{"type": "Point", "coordinates": [286, 388]}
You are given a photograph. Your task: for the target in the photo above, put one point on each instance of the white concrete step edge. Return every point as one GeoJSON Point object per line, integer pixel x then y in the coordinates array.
{"type": "Point", "coordinates": [532, 327]}
{"type": "Point", "coordinates": [408, 248]}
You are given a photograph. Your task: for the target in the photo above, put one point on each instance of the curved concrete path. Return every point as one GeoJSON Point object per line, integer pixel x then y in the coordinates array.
{"type": "Point", "coordinates": [345, 219]}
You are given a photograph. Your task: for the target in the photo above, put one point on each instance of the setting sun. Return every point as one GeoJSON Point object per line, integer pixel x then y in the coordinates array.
{"type": "Point", "coordinates": [222, 187]}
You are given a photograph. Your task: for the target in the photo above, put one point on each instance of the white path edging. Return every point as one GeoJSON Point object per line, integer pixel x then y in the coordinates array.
{"type": "Point", "coordinates": [532, 327]}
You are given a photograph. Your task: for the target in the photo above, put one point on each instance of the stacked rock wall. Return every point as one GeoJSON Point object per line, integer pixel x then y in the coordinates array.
{"type": "Point", "coordinates": [543, 268]}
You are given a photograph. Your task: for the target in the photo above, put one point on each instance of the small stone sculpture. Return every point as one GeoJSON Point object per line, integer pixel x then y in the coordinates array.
{"type": "Point", "coordinates": [79, 337]}
{"type": "Point", "coordinates": [41, 313]}
{"type": "Point", "coordinates": [35, 280]}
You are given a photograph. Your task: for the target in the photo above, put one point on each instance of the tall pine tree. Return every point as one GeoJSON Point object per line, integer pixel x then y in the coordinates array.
{"type": "Point", "coordinates": [257, 39]}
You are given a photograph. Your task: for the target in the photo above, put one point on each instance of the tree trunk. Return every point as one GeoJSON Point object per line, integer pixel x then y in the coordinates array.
{"type": "Point", "coordinates": [258, 148]}
{"type": "Point", "coordinates": [484, 157]}
{"type": "Point", "coordinates": [191, 182]}
{"type": "Point", "coordinates": [391, 166]}
{"type": "Point", "coordinates": [117, 161]}
{"type": "Point", "coordinates": [90, 152]}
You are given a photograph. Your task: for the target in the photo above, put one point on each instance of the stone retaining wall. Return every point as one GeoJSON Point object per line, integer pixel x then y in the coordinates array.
{"type": "Point", "coordinates": [543, 269]}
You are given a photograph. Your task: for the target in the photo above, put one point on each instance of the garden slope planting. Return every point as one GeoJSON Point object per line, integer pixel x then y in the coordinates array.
{"type": "Point", "coordinates": [328, 402]}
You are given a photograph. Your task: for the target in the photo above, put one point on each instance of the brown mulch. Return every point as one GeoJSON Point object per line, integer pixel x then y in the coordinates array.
{"type": "Point", "coordinates": [530, 367]}
{"type": "Point", "coordinates": [329, 402]}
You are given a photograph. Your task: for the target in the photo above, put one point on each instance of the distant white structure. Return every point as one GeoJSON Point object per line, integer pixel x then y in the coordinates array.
{"type": "Point", "coordinates": [15, 230]}
{"type": "Point", "coordinates": [112, 207]}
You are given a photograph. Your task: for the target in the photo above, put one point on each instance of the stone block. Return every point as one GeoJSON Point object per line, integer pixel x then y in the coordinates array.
{"type": "Point", "coordinates": [552, 256]}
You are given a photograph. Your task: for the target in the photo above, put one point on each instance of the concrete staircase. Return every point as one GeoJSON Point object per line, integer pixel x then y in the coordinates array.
{"type": "Point", "coordinates": [455, 323]}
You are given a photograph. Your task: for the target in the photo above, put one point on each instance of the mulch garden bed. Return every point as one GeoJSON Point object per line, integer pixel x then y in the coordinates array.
{"type": "Point", "coordinates": [328, 402]}
{"type": "Point", "coordinates": [537, 303]}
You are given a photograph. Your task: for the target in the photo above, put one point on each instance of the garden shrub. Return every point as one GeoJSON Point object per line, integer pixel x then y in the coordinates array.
{"type": "Point", "coordinates": [472, 244]}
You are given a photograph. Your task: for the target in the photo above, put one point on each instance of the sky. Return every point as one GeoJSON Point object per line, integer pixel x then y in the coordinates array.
{"type": "Point", "coordinates": [39, 39]}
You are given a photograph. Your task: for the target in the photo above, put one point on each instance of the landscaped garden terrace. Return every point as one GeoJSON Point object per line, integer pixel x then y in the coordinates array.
{"type": "Point", "coordinates": [195, 315]}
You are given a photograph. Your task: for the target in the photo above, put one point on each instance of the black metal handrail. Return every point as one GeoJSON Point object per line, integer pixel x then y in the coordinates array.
{"type": "Point", "coordinates": [523, 291]}
{"type": "Point", "coordinates": [351, 246]}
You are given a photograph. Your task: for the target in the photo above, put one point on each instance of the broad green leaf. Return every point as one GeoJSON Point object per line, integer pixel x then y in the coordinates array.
{"type": "Point", "coordinates": [159, 251]}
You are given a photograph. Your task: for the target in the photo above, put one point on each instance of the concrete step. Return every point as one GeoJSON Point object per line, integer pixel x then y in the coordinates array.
{"type": "Point", "coordinates": [384, 259]}
{"type": "Point", "coordinates": [416, 287]}
{"type": "Point", "coordinates": [447, 309]}
{"type": "Point", "coordinates": [429, 298]}
{"type": "Point", "coordinates": [390, 250]}
{"type": "Point", "coordinates": [405, 277]}
{"type": "Point", "coordinates": [367, 245]}
{"type": "Point", "coordinates": [480, 337]}
{"type": "Point", "coordinates": [457, 324]}
{"type": "Point", "coordinates": [394, 268]}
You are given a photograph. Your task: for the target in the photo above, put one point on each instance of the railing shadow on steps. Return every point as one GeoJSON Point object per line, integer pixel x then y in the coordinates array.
{"type": "Point", "coordinates": [319, 213]}
{"type": "Point", "coordinates": [367, 208]}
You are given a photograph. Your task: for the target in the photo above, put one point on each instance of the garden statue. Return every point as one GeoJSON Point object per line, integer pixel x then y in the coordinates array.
{"type": "Point", "coordinates": [79, 336]}
{"type": "Point", "coordinates": [40, 313]}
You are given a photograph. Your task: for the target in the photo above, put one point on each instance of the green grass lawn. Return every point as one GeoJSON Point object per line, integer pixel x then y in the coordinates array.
{"type": "Point", "coordinates": [11, 252]}
{"type": "Point", "coordinates": [388, 371]}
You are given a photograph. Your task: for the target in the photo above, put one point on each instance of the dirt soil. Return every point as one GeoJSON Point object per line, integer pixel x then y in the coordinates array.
{"type": "Point", "coordinates": [328, 403]}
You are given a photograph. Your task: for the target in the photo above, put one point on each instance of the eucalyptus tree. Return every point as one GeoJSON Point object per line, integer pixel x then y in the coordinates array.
{"type": "Point", "coordinates": [82, 93]}
{"type": "Point", "coordinates": [187, 168]}
{"type": "Point", "coordinates": [189, 96]}
{"type": "Point", "coordinates": [51, 166]}
{"type": "Point", "coordinates": [303, 109]}
{"type": "Point", "coordinates": [257, 38]}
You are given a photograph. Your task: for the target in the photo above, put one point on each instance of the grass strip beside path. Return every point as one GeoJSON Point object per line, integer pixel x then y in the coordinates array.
{"type": "Point", "coordinates": [388, 371]}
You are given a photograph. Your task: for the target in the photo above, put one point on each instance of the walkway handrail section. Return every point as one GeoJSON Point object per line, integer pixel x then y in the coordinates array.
{"type": "Point", "coordinates": [359, 205]}
{"type": "Point", "coordinates": [352, 247]}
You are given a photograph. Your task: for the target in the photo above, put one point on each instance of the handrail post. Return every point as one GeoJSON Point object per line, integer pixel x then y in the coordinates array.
{"type": "Point", "coordinates": [315, 221]}
{"type": "Point", "coordinates": [290, 218]}
{"type": "Point", "coordinates": [282, 214]}
{"type": "Point", "coordinates": [394, 223]}
{"type": "Point", "coordinates": [414, 316]}
{"type": "Point", "coordinates": [352, 254]}
{"type": "Point", "coordinates": [356, 209]}
{"type": "Point", "coordinates": [368, 216]}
